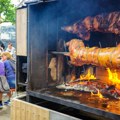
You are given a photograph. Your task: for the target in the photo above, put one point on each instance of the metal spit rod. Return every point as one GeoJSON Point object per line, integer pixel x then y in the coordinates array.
{"type": "Point", "coordinates": [60, 53]}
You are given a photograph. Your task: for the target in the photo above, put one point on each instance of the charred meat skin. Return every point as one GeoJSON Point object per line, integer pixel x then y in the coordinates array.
{"type": "Point", "coordinates": [105, 57]}
{"type": "Point", "coordinates": [106, 23]}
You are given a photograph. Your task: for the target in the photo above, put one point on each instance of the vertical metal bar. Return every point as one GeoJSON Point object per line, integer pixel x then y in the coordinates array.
{"type": "Point", "coordinates": [65, 51]}
{"type": "Point", "coordinates": [100, 44]}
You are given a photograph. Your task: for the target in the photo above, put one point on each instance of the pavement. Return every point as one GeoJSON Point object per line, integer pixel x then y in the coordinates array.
{"type": "Point", "coordinates": [5, 112]}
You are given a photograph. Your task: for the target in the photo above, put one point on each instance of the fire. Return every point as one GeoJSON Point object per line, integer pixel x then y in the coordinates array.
{"type": "Point", "coordinates": [73, 77]}
{"type": "Point", "coordinates": [98, 94]}
{"type": "Point", "coordinates": [113, 77]}
{"type": "Point", "coordinates": [88, 76]}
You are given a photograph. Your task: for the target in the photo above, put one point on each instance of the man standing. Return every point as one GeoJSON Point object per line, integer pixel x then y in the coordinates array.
{"type": "Point", "coordinates": [11, 50]}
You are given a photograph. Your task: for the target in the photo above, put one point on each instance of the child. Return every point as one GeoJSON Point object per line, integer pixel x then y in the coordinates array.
{"type": "Point", "coordinates": [9, 72]}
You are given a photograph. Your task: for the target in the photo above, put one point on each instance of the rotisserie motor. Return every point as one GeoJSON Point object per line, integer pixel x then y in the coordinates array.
{"type": "Point", "coordinates": [106, 57]}
{"type": "Point", "coordinates": [106, 23]}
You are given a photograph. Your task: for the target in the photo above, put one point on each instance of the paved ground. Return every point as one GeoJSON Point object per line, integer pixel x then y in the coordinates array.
{"type": "Point", "coordinates": [5, 112]}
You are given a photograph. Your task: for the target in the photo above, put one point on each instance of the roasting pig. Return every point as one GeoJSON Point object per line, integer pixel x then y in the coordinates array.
{"type": "Point", "coordinates": [105, 57]}
{"type": "Point", "coordinates": [106, 23]}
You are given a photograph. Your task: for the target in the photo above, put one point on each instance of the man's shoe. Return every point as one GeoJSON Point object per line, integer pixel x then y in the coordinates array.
{"type": "Point", "coordinates": [7, 102]}
{"type": "Point", "coordinates": [1, 106]}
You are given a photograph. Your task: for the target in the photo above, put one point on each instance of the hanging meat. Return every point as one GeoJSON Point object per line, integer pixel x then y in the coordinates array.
{"type": "Point", "coordinates": [106, 23]}
{"type": "Point", "coordinates": [106, 57]}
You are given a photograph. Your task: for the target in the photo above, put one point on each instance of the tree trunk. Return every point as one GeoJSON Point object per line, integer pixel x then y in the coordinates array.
{"type": "Point", "coordinates": [0, 18]}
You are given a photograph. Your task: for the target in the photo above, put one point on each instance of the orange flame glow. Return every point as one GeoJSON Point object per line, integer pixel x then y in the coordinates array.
{"type": "Point", "coordinates": [88, 76]}
{"type": "Point", "coordinates": [97, 95]}
{"type": "Point", "coordinates": [73, 77]}
{"type": "Point", "coordinates": [113, 77]}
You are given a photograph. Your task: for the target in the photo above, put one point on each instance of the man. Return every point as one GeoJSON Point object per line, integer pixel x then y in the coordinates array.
{"type": "Point", "coordinates": [11, 50]}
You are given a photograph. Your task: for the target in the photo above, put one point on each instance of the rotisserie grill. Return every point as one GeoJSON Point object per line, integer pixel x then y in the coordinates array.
{"type": "Point", "coordinates": [67, 69]}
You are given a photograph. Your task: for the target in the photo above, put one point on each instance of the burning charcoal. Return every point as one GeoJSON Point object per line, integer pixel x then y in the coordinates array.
{"type": "Point", "coordinates": [110, 87]}
{"type": "Point", "coordinates": [86, 89]}
{"type": "Point", "coordinates": [111, 91]}
{"type": "Point", "coordinates": [105, 105]}
{"type": "Point", "coordinates": [79, 87]}
{"type": "Point", "coordinates": [63, 86]}
{"type": "Point", "coordinates": [118, 91]}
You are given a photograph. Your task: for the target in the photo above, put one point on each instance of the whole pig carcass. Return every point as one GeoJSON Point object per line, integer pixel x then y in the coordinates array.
{"type": "Point", "coordinates": [105, 57]}
{"type": "Point", "coordinates": [106, 23]}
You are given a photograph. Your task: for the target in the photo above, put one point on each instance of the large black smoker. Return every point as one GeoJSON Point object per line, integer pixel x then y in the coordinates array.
{"type": "Point", "coordinates": [45, 37]}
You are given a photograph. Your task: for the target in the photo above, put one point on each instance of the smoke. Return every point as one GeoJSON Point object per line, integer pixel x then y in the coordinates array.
{"type": "Point", "coordinates": [62, 13]}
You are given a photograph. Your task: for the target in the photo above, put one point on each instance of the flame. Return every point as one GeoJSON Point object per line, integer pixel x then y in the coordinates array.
{"type": "Point", "coordinates": [73, 77]}
{"type": "Point", "coordinates": [88, 76]}
{"type": "Point", "coordinates": [98, 94]}
{"type": "Point", "coordinates": [113, 77]}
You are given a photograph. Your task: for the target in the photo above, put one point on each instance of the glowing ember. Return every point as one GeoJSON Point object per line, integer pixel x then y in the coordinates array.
{"type": "Point", "coordinates": [88, 76]}
{"type": "Point", "coordinates": [98, 94]}
{"type": "Point", "coordinates": [113, 77]}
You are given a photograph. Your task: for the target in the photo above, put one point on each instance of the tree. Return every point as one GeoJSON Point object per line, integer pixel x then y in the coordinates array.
{"type": "Point", "coordinates": [7, 11]}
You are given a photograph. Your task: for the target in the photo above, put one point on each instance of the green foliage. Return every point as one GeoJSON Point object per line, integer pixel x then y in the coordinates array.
{"type": "Point", "coordinates": [7, 11]}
